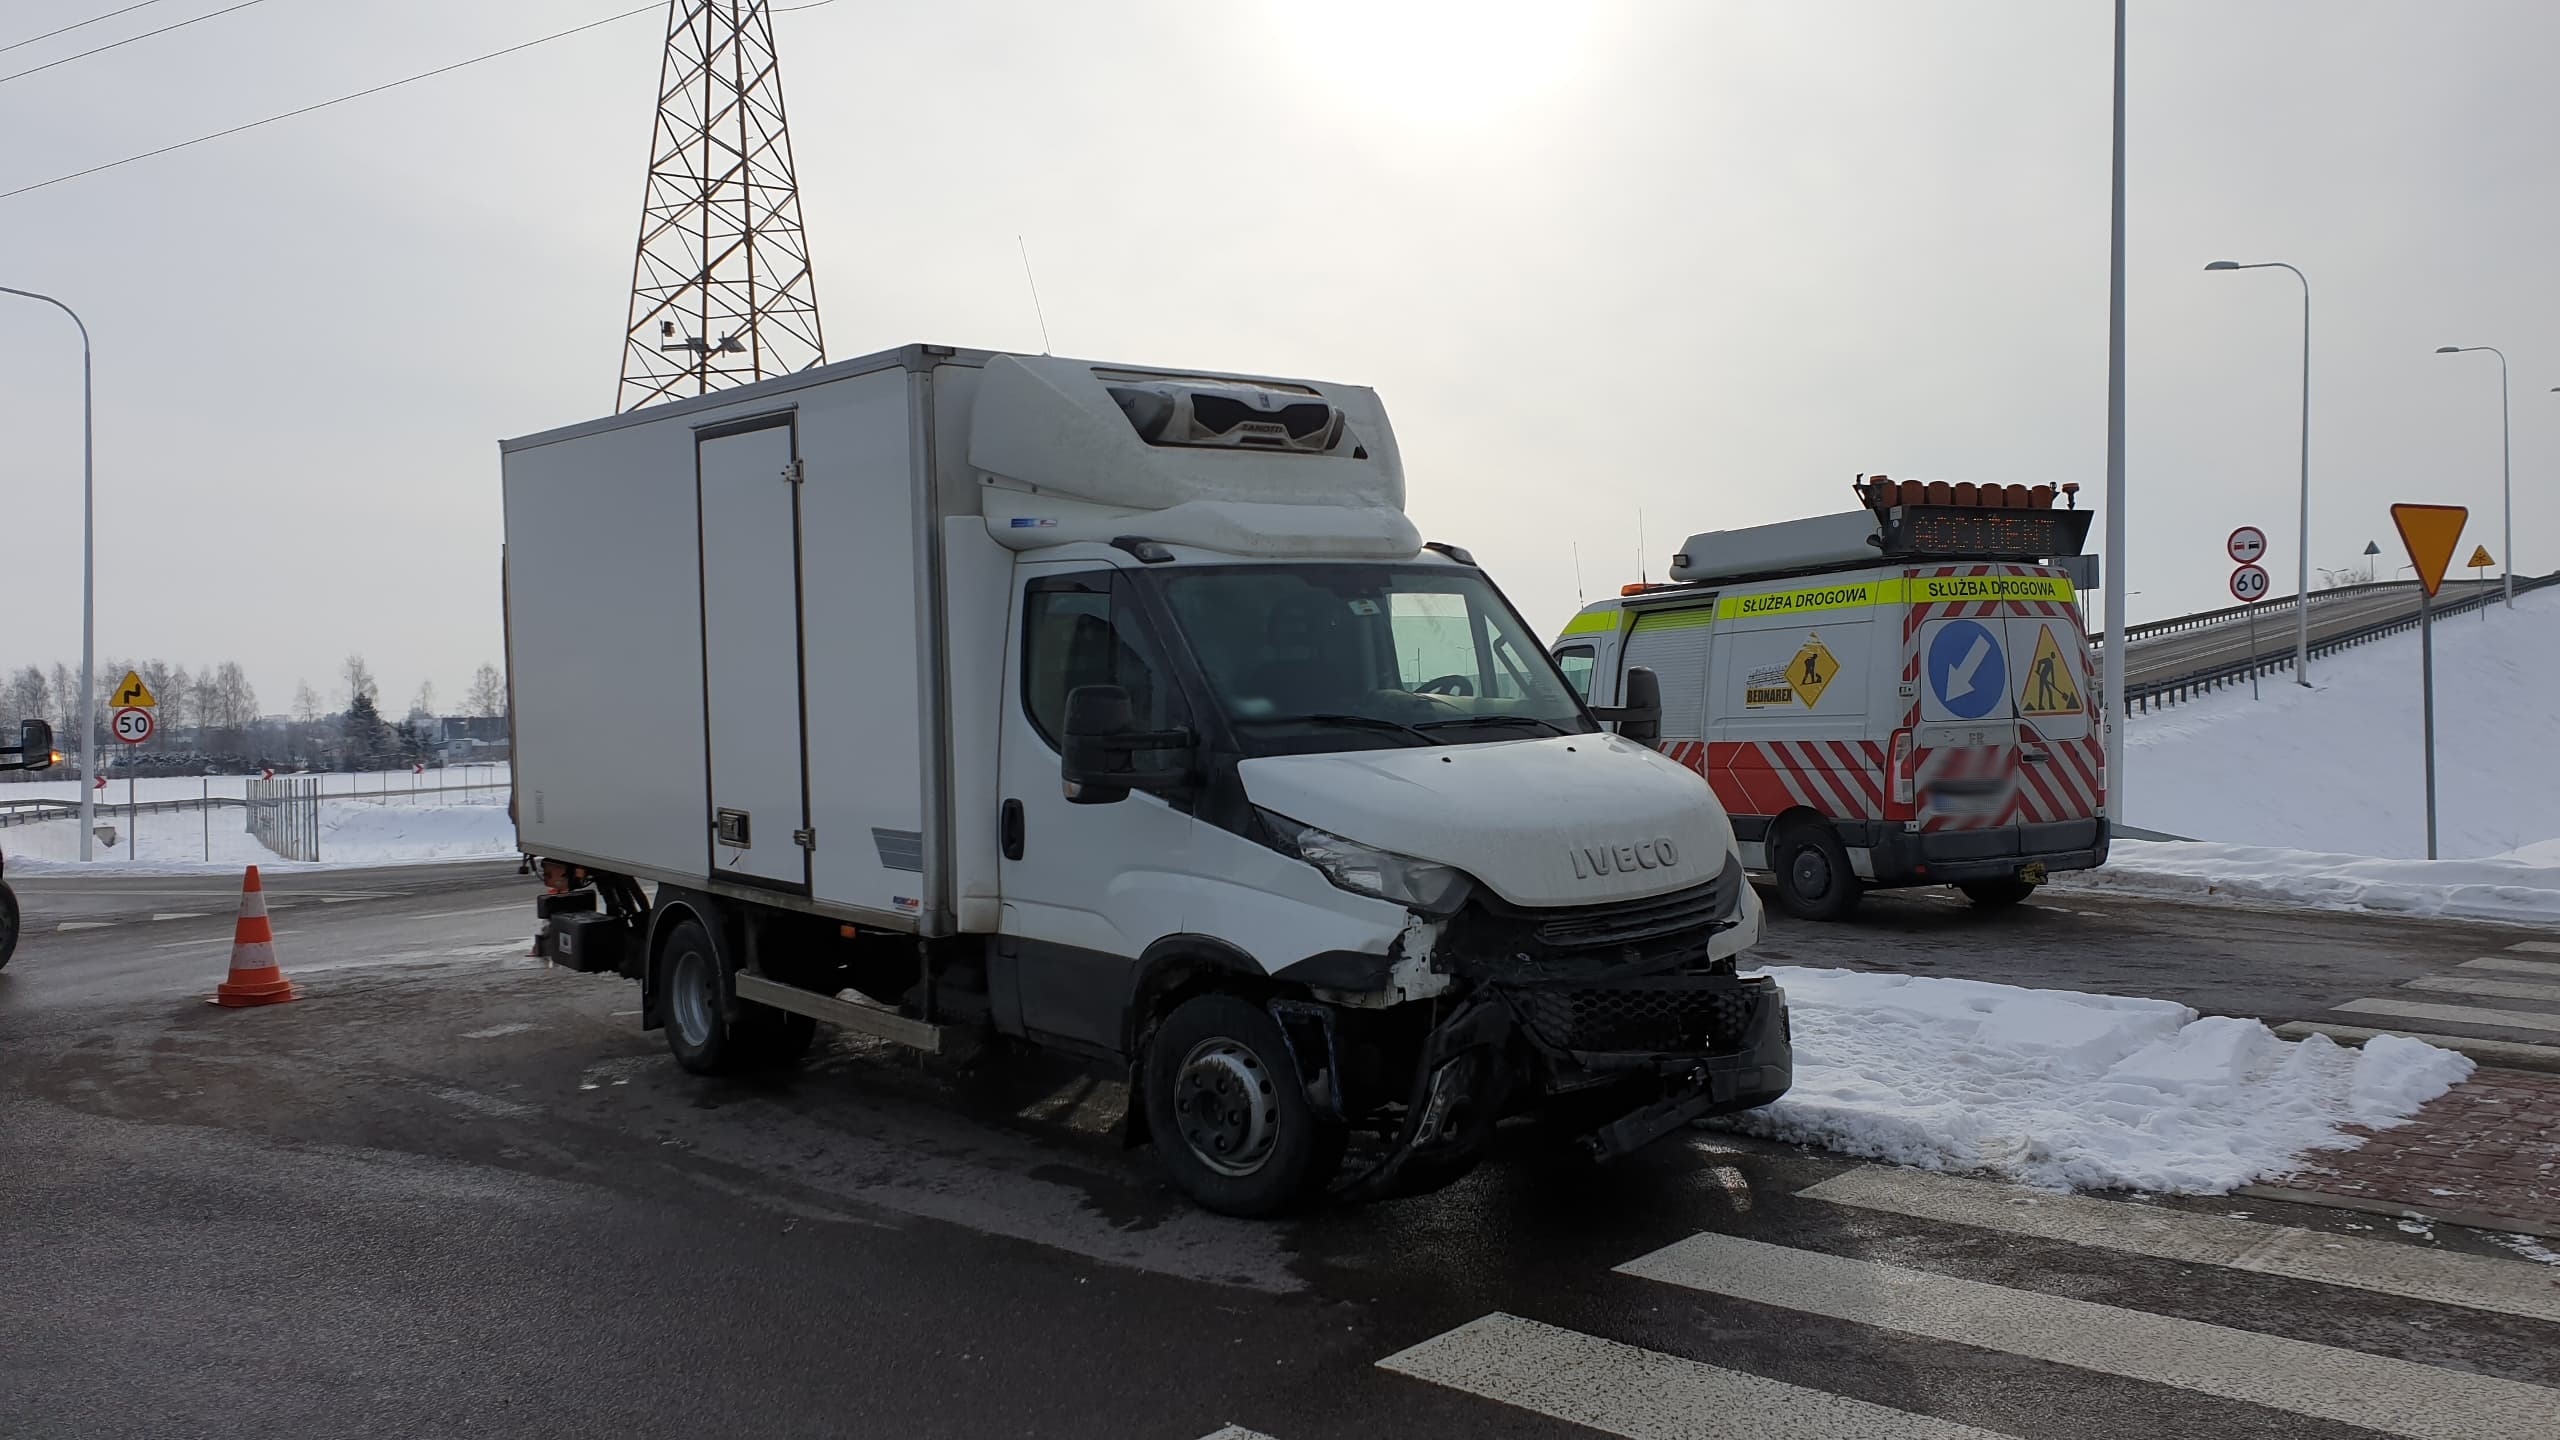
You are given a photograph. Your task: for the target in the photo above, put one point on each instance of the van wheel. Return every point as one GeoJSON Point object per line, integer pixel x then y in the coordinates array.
{"type": "Point", "coordinates": [695, 1002]}
{"type": "Point", "coordinates": [1996, 894]}
{"type": "Point", "coordinates": [1814, 881]}
{"type": "Point", "coordinates": [1226, 1109]}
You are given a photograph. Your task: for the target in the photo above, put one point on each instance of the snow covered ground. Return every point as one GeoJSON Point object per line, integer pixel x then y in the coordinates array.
{"type": "Point", "coordinates": [2521, 887]}
{"type": "Point", "coordinates": [353, 833]}
{"type": "Point", "coordinates": [2336, 769]}
{"type": "Point", "coordinates": [2075, 1091]}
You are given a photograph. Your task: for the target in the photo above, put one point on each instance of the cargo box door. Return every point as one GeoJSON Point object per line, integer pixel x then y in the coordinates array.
{"type": "Point", "coordinates": [751, 646]}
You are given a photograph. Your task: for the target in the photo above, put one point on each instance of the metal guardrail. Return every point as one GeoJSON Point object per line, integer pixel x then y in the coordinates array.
{"type": "Point", "coordinates": [2272, 605]}
{"type": "Point", "coordinates": [2169, 691]}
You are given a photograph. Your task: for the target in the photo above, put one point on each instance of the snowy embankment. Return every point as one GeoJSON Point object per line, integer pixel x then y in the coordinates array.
{"type": "Point", "coordinates": [2337, 769]}
{"type": "Point", "coordinates": [353, 833]}
{"type": "Point", "coordinates": [2075, 1091]}
{"type": "Point", "coordinates": [2521, 888]}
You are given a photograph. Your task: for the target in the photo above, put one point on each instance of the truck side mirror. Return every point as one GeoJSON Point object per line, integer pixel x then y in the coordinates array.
{"type": "Point", "coordinates": [1101, 743]}
{"type": "Point", "coordinates": [35, 747]}
{"type": "Point", "coordinates": [1640, 719]}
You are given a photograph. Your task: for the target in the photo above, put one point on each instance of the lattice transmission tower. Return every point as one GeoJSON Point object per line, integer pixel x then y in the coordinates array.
{"type": "Point", "coordinates": [721, 290]}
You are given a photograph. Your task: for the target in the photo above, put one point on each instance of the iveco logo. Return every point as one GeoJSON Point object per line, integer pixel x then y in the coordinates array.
{"type": "Point", "coordinates": [1590, 860]}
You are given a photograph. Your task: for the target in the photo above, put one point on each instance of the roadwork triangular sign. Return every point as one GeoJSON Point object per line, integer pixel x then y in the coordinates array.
{"type": "Point", "coordinates": [2429, 533]}
{"type": "Point", "coordinates": [2481, 559]}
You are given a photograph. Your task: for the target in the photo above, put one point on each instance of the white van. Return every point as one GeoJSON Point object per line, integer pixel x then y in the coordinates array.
{"type": "Point", "coordinates": [943, 694]}
{"type": "Point", "coordinates": [1897, 695]}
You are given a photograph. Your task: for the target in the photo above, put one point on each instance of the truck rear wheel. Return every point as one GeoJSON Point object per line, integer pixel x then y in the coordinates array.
{"type": "Point", "coordinates": [1814, 881]}
{"type": "Point", "coordinates": [1996, 894]}
{"type": "Point", "coordinates": [1229, 1113]}
{"type": "Point", "coordinates": [698, 1004]}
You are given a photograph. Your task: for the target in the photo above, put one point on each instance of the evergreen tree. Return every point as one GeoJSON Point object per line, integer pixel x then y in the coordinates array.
{"type": "Point", "coordinates": [368, 742]}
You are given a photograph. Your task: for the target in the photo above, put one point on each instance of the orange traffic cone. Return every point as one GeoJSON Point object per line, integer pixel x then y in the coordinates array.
{"type": "Point", "coordinates": [255, 980]}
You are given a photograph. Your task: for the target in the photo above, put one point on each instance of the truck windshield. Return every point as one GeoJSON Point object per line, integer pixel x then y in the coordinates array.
{"type": "Point", "coordinates": [1345, 657]}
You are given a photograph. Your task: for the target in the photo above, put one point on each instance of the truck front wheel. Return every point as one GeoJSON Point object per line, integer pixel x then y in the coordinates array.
{"type": "Point", "coordinates": [1229, 1113]}
{"type": "Point", "coordinates": [1814, 881]}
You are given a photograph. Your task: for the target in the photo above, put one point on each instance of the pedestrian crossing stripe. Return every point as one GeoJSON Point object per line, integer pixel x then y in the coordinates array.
{"type": "Point", "coordinates": [2047, 686]}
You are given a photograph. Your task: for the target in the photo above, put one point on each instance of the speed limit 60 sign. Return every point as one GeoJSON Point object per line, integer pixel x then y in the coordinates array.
{"type": "Point", "coordinates": [2249, 584]}
{"type": "Point", "coordinates": [2248, 546]}
{"type": "Point", "coordinates": [133, 725]}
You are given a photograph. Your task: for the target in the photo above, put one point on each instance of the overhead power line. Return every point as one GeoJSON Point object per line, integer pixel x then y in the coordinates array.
{"type": "Point", "coordinates": [76, 25]}
{"type": "Point", "coordinates": [129, 39]}
{"type": "Point", "coordinates": [352, 95]}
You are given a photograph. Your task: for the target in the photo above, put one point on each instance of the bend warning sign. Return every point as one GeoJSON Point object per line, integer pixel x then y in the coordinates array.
{"type": "Point", "coordinates": [2047, 687]}
{"type": "Point", "coordinates": [133, 693]}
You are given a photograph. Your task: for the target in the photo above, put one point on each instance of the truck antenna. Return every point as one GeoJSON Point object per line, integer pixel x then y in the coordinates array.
{"type": "Point", "coordinates": [1643, 576]}
{"type": "Point", "coordinates": [1577, 573]}
{"type": "Point", "coordinates": [1034, 283]}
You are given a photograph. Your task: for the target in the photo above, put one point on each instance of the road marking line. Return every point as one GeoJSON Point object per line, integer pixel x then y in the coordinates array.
{"type": "Point", "coordinates": [2515, 967]}
{"type": "Point", "coordinates": [1643, 1394]}
{"type": "Point", "coordinates": [2539, 947]}
{"type": "Point", "coordinates": [2474, 1282]}
{"type": "Point", "coordinates": [2511, 1052]}
{"type": "Point", "coordinates": [85, 925]}
{"type": "Point", "coordinates": [516, 1027]}
{"type": "Point", "coordinates": [180, 915]}
{"type": "Point", "coordinates": [2395, 1397]}
{"type": "Point", "coordinates": [2500, 989]}
{"type": "Point", "coordinates": [2455, 1014]}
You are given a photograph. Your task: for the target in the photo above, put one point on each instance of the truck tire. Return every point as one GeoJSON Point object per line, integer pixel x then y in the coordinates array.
{"type": "Point", "coordinates": [8, 924]}
{"type": "Point", "coordinates": [696, 1001]}
{"type": "Point", "coordinates": [1227, 1110]}
{"type": "Point", "coordinates": [782, 1037]}
{"type": "Point", "coordinates": [1996, 894]}
{"type": "Point", "coordinates": [1814, 881]}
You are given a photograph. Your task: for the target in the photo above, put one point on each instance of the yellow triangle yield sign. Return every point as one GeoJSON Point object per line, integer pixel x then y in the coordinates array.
{"type": "Point", "coordinates": [2481, 559]}
{"type": "Point", "coordinates": [2429, 533]}
{"type": "Point", "coordinates": [133, 693]}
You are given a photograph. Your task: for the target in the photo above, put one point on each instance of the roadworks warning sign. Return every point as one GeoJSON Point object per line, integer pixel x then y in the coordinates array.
{"type": "Point", "coordinates": [2047, 686]}
{"type": "Point", "coordinates": [1800, 681]}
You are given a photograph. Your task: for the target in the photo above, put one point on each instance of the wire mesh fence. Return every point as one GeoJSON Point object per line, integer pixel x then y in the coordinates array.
{"type": "Point", "coordinates": [284, 816]}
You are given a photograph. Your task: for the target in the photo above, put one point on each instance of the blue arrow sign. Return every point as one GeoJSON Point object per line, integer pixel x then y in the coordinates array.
{"type": "Point", "coordinates": [1967, 672]}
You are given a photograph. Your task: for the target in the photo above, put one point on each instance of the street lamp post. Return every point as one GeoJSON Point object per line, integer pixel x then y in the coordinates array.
{"type": "Point", "coordinates": [2506, 460]}
{"type": "Point", "coordinates": [88, 579]}
{"type": "Point", "coordinates": [2302, 562]}
{"type": "Point", "coordinates": [2113, 581]}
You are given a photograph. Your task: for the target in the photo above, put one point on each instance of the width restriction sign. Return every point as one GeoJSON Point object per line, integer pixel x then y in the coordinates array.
{"type": "Point", "coordinates": [2249, 584]}
{"type": "Point", "coordinates": [133, 725]}
{"type": "Point", "coordinates": [2247, 546]}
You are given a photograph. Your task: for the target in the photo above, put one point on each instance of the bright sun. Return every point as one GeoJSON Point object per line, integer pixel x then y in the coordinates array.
{"type": "Point", "coordinates": [1447, 62]}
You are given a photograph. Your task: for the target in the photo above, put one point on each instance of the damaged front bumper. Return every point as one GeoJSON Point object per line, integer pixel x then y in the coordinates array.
{"type": "Point", "coordinates": [1633, 1060]}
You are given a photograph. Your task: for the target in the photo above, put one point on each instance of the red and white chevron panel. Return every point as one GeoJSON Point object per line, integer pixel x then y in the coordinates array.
{"type": "Point", "coordinates": [1843, 779]}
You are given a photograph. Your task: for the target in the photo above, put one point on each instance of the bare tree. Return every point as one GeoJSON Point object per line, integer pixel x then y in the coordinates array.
{"type": "Point", "coordinates": [306, 702]}
{"type": "Point", "coordinates": [236, 700]}
{"type": "Point", "coordinates": [357, 678]}
{"type": "Point", "coordinates": [29, 697]}
{"type": "Point", "coordinates": [66, 705]}
{"type": "Point", "coordinates": [488, 691]}
{"type": "Point", "coordinates": [425, 703]}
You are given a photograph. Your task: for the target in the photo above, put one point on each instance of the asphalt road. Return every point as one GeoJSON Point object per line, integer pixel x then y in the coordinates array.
{"type": "Point", "coordinates": [452, 1192]}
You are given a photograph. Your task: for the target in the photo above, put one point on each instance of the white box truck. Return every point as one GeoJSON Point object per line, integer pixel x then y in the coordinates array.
{"type": "Point", "coordinates": [943, 694]}
{"type": "Point", "coordinates": [1898, 695]}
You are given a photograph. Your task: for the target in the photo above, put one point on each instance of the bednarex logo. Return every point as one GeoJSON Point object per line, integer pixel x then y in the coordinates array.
{"type": "Point", "coordinates": [1937, 588]}
{"type": "Point", "coordinates": [1789, 602]}
{"type": "Point", "coordinates": [1595, 860]}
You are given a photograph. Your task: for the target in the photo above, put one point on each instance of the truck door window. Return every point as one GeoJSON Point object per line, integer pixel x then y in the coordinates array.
{"type": "Point", "coordinates": [1073, 634]}
{"type": "Point", "coordinates": [1577, 663]}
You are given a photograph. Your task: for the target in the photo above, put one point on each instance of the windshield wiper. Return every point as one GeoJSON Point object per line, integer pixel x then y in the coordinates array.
{"type": "Point", "coordinates": [1468, 720]}
{"type": "Point", "coordinates": [1365, 722]}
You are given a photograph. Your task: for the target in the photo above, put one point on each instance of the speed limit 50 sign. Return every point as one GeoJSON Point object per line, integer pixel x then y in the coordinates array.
{"type": "Point", "coordinates": [133, 725]}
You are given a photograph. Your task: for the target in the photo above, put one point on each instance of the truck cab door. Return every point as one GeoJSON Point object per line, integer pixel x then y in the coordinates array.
{"type": "Point", "coordinates": [1084, 888]}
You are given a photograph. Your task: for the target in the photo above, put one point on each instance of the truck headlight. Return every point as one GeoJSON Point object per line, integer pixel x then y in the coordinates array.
{"type": "Point", "coordinates": [1424, 885]}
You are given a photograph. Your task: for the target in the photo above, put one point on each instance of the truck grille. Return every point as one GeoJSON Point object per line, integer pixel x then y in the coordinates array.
{"type": "Point", "coordinates": [1669, 1015]}
{"type": "Point", "coordinates": [1591, 927]}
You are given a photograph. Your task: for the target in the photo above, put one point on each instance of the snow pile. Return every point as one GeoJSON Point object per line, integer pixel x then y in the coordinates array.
{"type": "Point", "coordinates": [2336, 768]}
{"type": "Point", "coordinates": [2520, 887]}
{"type": "Point", "coordinates": [353, 833]}
{"type": "Point", "coordinates": [2075, 1091]}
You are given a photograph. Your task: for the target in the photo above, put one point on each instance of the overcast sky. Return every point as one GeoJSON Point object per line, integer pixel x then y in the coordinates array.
{"type": "Point", "coordinates": [1702, 261]}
